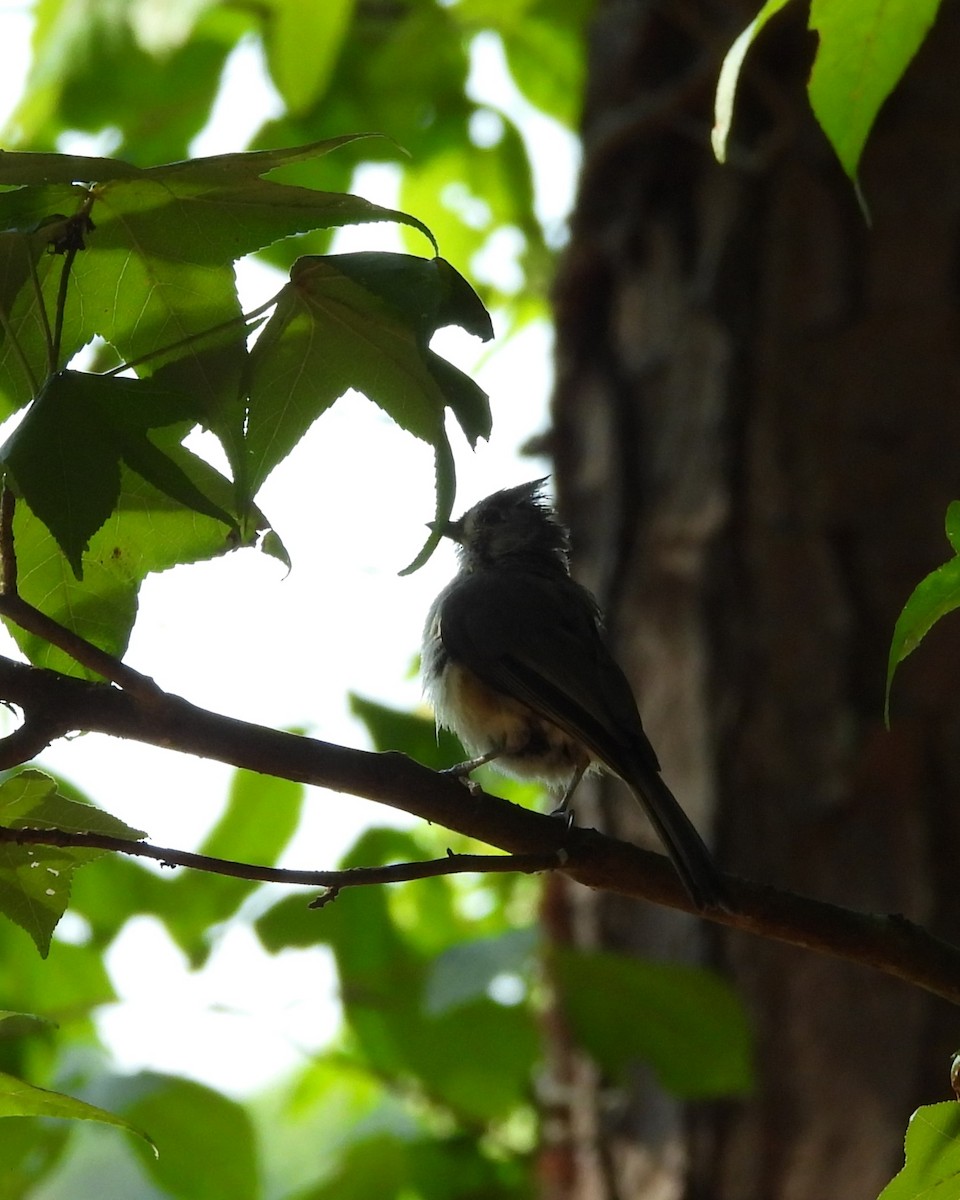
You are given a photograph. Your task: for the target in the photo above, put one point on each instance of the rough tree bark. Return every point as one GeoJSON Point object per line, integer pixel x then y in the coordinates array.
{"type": "Point", "coordinates": [756, 432]}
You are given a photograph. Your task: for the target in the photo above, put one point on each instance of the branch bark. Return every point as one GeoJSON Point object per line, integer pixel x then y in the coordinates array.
{"type": "Point", "coordinates": [57, 705]}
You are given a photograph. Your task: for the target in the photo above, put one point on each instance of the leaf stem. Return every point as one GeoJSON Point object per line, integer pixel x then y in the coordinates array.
{"type": "Point", "coordinates": [242, 319]}
{"type": "Point", "coordinates": [8, 557]}
{"type": "Point", "coordinates": [68, 258]}
{"type": "Point", "coordinates": [69, 244]}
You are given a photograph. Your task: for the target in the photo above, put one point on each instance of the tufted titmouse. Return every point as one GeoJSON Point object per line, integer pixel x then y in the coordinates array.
{"type": "Point", "coordinates": [515, 664]}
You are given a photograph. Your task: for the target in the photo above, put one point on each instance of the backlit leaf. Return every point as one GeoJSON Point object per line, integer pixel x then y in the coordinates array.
{"type": "Point", "coordinates": [684, 1022]}
{"type": "Point", "coordinates": [35, 879]}
{"type": "Point", "coordinates": [19, 1099]}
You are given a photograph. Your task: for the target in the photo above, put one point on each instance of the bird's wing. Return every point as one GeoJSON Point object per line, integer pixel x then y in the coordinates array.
{"type": "Point", "coordinates": [538, 640]}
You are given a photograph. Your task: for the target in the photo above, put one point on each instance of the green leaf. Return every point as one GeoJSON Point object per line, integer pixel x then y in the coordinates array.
{"type": "Point", "coordinates": [441, 1168]}
{"type": "Point", "coordinates": [19, 1099]}
{"type": "Point", "coordinates": [261, 816]}
{"type": "Point", "coordinates": [222, 169]}
{"type": "Point", "coordinates": [374, 1166]}
{"type": "Point", "coordinates": [26, 354]}
{"type": "Point", "coordinates": [157, 271]}
{"type": "Point", "coordinates": [64, 466]}
{"type": "Point", "coordinates": [30, 1151]}
{"type": "Point", "coordinates": [446, 492]}
{"type": "Point", "coordinates": [16, 1024]}
{"type": "Point", "coordinates": [147, 532]}
{"type": "Point", "coordinates": [730, 77]}
{"type": "Point", "coordinates": [290, 923]}
{"type": "Point", "coordinates": [470, 192]}
{"type": "Point", "coordinates": [290, 25]}
{"type": "Point", "coordinates": [932, 598]}
{"type": "Point", "coordinates": [385, 79]}
{"type": "Point", "coordinates": [361, 321]}
{"type": "Point", "coordinates": [545, 56]}
{"type": "Point", "coordinates": [459, 1166]}
{"type": "Point", "coordinates": [952, 523]}
{"type": "Point", "coordinates": [19, 256]}
{"type": "Point", "coordinates": [19, 167]}
{"type": "Point", "coordinates": [256, 825]}
{"type": "Point", "coordinates": [112, 890]}
{"type": "Point", "coordinates": [35, 889]}
{"type": "Point", "coordinates": [32, 798]}
{"type": "Point", "coordinates": [382, 981]}
{"type": "Point", "coordinates": [465, 972]}
{"type": "Point", "coordinates": [685, 1022]}
{"type": "Point", "coordinates": [164, 67]}
{"type": "Point", "coordinates": [481, 1078]}
{"type": "Point", "coordinates": [312, 1115]}
{"type": "Point", "coordinates": [416, 736]}
{"type": "Point", "coordinates": [35, 880]}
{"type": "Point", "coordinates": [65, 455]}
{"type": "Point", "coordinates": [865, 47]}
{"type": "Point", "coordinates": [206, 1144]}
{"type": "Point", "coordinates": [932, 1146]}
{"type": "Point", "coordinates": [64, 987]}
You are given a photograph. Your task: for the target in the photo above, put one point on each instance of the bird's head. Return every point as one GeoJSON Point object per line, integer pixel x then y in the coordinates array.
{"type": "Point", "coordinates": [515, 528]}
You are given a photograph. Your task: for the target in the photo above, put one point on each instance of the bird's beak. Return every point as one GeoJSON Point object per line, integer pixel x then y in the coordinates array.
{"type": "Point", "coordinates": [450, 529]}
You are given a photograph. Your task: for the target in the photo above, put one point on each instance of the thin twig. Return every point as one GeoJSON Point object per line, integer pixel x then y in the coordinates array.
{"type": "Point", "coordinates": [244, 319]}
{"type": "Point", "coordinates": [8, 558]}
{"type": "Point", "coordinates": [452, 864]}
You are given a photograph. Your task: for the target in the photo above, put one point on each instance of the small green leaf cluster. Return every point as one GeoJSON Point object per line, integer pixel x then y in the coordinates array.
{"type": "Point", "coordinates": [35, 882]}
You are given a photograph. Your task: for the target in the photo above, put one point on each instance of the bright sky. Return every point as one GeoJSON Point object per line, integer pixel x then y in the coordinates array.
{"type": "Point", "coordinates": [240, 637]}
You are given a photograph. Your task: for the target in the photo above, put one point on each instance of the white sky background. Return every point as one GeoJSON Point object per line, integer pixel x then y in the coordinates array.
{"type": "Point", "coordinates": [240, 637]}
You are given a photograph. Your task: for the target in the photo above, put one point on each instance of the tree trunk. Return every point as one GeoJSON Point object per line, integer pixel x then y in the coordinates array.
{"type": "Point", "coordinates": [756, 425]}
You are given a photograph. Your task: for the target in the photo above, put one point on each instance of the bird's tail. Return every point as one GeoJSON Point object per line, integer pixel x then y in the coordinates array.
{"type": "Point", "coordinates": [689, 855]}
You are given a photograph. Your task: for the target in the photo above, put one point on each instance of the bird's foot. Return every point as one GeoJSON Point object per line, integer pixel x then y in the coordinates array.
{"type": "Point", "coordinates": [565, 813]}
{"type": "Point", "coordinates": [462, 770]}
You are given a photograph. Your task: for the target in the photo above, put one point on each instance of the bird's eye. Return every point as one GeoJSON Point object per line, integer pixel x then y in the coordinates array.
{"type": "Point", "coordinates": [496, 516]}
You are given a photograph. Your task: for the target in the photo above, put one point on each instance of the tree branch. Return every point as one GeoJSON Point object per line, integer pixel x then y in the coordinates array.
{"type": "Point", "coordinates": [61, 705]}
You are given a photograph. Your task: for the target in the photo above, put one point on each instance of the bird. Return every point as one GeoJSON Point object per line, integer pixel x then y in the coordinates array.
{"type": "Point", "coordinates": [514, 662]}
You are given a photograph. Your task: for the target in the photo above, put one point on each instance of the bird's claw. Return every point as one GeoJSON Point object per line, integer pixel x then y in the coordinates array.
{"type": "Point", "coordinates": [566, 814]}
{"type": "Point", "coordinates": [460, 771]}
